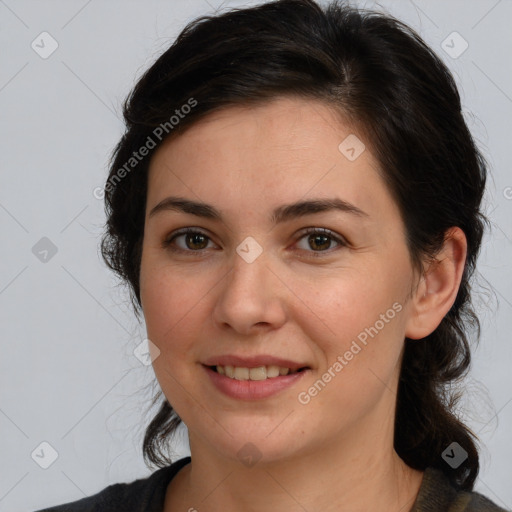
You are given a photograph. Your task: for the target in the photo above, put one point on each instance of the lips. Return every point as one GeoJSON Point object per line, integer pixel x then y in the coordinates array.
{"type": "Point", "coordinates": [254, 362]}
{"type": "Point", "coordinates": [253, 378]}
{"type": "Point", "coordinates": [257, 373]}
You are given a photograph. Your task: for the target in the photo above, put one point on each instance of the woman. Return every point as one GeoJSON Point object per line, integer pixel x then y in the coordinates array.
{"type": "Point", "coordinates": [295, 205]}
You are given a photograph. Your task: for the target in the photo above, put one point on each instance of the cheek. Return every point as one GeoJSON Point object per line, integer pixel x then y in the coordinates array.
{"type": "Point", "coordinates": [174, 303]}
{"type": "Point", "coordinates": [359, 362]}
{"type": "Point", "coordinates": [365, 312]}
{"type": "Point", "coordinates": [169, 307]}
{"type": "Point", "coordinates": [357, 301]}
{"type": "Point", "coordinates": [166, 300]}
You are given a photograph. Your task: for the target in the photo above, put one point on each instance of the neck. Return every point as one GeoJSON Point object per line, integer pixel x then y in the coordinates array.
{"type": "Point", "coordinates": [354, 478]}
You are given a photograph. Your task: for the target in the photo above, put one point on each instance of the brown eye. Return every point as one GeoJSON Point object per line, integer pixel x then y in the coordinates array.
{"type": "Point", "coordinates": [320, 240]}
{"type": "Point", "coordinates": [193, 241]}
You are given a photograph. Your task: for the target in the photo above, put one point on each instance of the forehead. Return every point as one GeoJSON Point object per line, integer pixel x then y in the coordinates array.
{"type": "Point", "coordinates": [280, 151]}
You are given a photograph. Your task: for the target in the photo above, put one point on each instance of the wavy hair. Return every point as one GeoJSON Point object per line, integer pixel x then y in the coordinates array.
{"type": "Point", "coordinates": [380, 75]}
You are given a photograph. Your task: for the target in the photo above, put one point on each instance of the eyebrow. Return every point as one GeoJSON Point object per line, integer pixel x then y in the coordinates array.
{"type": "Point", "coordinates": [280, 214]}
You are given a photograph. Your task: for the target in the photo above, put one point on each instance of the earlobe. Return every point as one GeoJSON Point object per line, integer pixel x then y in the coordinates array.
{"type": "Point", "coordinates": [438, 288]}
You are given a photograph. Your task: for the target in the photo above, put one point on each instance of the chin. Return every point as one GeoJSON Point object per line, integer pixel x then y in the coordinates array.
{"type": "Point", "coordinates": [251, 440]}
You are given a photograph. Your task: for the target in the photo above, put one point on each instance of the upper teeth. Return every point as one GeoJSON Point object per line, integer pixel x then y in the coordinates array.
{"type": "Point", "coordinates": [258, 373]}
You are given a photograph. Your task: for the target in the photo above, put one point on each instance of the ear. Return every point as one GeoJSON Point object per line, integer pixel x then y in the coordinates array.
{"type": "Point", "coordinates": [438, 287]}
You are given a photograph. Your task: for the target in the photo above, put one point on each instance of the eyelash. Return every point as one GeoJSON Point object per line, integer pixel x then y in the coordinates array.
{"type": "Point", "coordinates": [167, 243]}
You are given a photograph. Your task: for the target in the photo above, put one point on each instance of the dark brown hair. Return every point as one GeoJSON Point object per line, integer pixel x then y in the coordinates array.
{"type": "Point", "coordinates": [379, 74]}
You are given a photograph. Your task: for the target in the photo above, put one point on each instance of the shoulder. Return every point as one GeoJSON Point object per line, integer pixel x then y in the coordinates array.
{"type": "Point", "coordinates": [437, 494]}
{"type": "Point", "coordinates": [144, 494]}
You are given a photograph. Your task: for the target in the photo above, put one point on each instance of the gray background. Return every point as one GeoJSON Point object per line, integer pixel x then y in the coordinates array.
{"type": "Point", "coordinates": [68, 375]}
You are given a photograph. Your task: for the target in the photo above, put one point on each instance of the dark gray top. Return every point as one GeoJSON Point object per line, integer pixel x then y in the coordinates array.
{"type": "Point", "coordinates": [148, 495]}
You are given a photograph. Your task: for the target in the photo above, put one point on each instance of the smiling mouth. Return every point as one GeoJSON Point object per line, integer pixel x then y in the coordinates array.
{"type": "Point", "coordinates": [257, 373]}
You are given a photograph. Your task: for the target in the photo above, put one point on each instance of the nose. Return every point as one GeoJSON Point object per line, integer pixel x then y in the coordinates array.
{"type": "Point", "coordinates": [251, 297]}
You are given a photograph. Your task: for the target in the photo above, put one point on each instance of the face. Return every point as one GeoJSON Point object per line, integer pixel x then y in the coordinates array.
{"type": "Point", "coordinates": [256, 284]}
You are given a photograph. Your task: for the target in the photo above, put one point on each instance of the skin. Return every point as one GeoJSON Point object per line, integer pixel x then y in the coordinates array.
{"type": "Point", "coordinates": [336, 452]}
